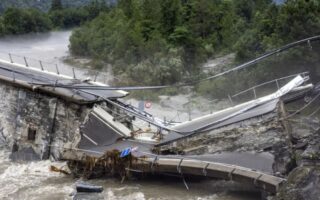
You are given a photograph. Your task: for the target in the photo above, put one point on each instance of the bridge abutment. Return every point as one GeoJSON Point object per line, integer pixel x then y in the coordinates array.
{"type": "Point", "coordinates": [37, 121]}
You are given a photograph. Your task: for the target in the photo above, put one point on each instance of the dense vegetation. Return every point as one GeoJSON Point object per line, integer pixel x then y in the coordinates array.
{"type": "Point", "coordinates": [156, 42]}
{"type": "Point", "coordinates": [25, 20]}
{"type": "Point", "coordinates": [271, 28]}
{"type": "Point", "coordinates": [45, 5]}
{"type": "Point", "coordinates": [162, 42]}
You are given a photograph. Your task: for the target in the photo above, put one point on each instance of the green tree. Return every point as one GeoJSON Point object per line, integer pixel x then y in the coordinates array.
{"type": "Point", "coordinates": [298, 19]}
{"type": "Point", "coordinates": [56, 5]}
{"type": "Point", "coordinates": [171, 15]}
{"type": "Point", "coordinates": [18, 21]}
{"type": "Point", "coordinates": [95, 8]}
{"type": "Point", "coordinates": [2, 29]}
{"type": "Point", "coordinates": [137, 36]}
{"type": "Point", "coordinates": [150, 18]}
{"type": "Point", "coordinates": [127, 7]}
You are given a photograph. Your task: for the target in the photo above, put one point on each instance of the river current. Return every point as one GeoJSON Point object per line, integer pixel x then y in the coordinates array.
{"type": "Point", "coordinates": [34, 181]}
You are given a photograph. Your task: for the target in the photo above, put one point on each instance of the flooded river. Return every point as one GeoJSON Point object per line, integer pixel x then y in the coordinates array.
{"type": "Point", "coordinates": [33, 180]}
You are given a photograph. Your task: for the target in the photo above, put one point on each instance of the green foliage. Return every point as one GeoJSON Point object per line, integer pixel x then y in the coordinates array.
{"type": "Point", "coordinates": [71, 17]}
{"type": "Point", "coordinates": [276, 26]}
{"type": "Point", "coordinates": [17, 21]}
{"type": "Point", "coordinates": [46, 5]}
{"type": "Point", "coordinates": [273, 26]}
{"type": "Point", "coordinates": [171, 13]}
{"type": "Point", "coordinates": [164, 42]}
{"type": "Point", "coordinates": [2, 28]}
{"type": "Point", "coordinates": [67, 18]}
{"type": "Point", "coordinates": [262, 26]}
{"type": "Point", "coordinates": [299, 19]}
{"type": "Point", "coordinates": [56, 5]}
{"type": "Point", "coordinates": [20, 21]}
{"type": "Point", "coordinates": [143, 38]}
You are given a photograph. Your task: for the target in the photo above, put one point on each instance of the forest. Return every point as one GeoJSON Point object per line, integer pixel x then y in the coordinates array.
{"type": "Point", "coordinates": [45, 5]}
{"type": "Point", "coordinates": [26, 18]}
{"type": "Point", "coordinates": [164, 42]}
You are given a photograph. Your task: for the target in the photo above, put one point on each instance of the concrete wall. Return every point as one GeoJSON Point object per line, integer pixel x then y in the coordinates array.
{"type": "Point", "coordinates": [55, 121]}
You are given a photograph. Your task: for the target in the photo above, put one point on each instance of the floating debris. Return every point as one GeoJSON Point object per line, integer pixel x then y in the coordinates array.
{"type": "Point", "coordinates": [60, 170]}
{"type": "Point", "coordinates": [88, 188]}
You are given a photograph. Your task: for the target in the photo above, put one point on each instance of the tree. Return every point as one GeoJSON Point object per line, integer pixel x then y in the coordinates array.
{"type": "Point", "coordinates": [2, 30]}
{"type": "Point", "coordinates": [18, 21]}
{"type": "Point", "coordinates": [150, 18]}
{"type": "Point", "coordinates": [127, 7]}
{"type": "Point", "coordinates": [299, 19]}
{"type": "Point", "coordinates": [171, 11]}
{"type": "Point", "coordinates": [95, 8]}
{"type": "Point", "coordinates": [56, 5]}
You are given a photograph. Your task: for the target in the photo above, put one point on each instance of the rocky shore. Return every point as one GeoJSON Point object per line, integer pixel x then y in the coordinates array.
{"type": "Point", "coordinates": [303, 182]}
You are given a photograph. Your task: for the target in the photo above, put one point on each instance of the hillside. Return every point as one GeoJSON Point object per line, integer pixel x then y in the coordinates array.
{"type": "Point", "coordinates": [164, 42]}
{"type": "Point", "coordinates": [43, 5]}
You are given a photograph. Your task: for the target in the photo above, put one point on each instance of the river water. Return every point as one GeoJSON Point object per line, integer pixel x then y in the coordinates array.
{"type": "Point", "coordinates": [33, 180]}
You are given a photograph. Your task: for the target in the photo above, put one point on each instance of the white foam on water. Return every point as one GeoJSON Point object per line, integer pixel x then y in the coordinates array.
{"type": "Point", "coordinates": [28, 180]}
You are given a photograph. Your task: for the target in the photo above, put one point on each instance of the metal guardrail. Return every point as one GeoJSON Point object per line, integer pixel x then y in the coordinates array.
{"type": "Point", "coordinates": [97, 76]}
{"type": "Point", "coordinates": [67, 70]}
{"type": "Point", "coordinates": [254, 90]}
{"type": "Point", "coordinates": [276, 81]}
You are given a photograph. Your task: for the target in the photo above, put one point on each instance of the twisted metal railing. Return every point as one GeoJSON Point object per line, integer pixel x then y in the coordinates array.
{"type": "Point", "coordinates": [64, 69]}
{"type": "Point", "coordinates": [275, 83]}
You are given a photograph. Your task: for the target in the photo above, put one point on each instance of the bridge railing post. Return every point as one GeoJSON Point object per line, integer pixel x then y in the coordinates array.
{"type": "Point", "coordinates": [277, 82]}
{"type": "Point", "coordinates": [230, 99]}
{"type": "Point", "coordinates": [55, 85]}
{"type": "Point", "coordinates": [57, 69]}
{"type": "Point", "coordinates": [254, 93]}
{"type": "Point", "coordinates": [74, 73]}
{"type": "Point", "coordinates": [10, 58]}
{"type": "Point", "coordinates": [25, 61]}
{"type": "Point", "coordinates": [40, 62]}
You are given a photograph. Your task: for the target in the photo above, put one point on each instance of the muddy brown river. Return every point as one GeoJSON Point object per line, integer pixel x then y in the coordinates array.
{"type": "Point", "coordinates": [34, 181]}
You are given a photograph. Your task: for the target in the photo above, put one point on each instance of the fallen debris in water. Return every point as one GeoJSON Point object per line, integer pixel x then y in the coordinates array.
{"type": "Point", "coordinates": [60, 170]}
{"type": "Point", "coordinates": [110, 164]}
{"type": "Point", "coordinates": [88, 188]}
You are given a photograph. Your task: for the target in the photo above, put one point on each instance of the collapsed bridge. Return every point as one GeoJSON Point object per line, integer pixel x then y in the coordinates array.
{"type": "Point", "coordinates": [61, 117]}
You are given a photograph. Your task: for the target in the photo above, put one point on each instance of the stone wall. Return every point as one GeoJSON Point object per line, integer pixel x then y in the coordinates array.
{"type": "Point", "coordinates": [40, 122]}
